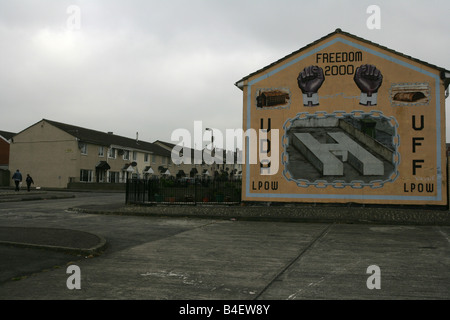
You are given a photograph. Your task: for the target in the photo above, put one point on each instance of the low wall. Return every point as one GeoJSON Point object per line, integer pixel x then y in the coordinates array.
{"type": "Point", "coordinates": [4, 178]}
{"type": "Point", "coordinates": [96, 186]}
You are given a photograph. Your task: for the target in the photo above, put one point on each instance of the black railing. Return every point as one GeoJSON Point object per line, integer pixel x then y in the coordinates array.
{"type": "Point", "coordinates": [183, 191]}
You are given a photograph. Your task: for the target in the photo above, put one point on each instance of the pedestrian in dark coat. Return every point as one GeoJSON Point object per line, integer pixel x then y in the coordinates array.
{"type": "Point", "coordinates": [17, 177]}
{"type": "Point", "coordinates": [29, 181]}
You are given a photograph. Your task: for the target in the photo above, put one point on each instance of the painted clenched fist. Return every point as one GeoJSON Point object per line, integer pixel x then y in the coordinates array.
{"type": "Point", "coordinates": [368, 79]}
{"type": "Point", "coordinates": [309, 81]}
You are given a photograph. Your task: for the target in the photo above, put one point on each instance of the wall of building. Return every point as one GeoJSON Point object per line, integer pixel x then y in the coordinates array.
{"type": "Point", "coordinates": [345, 78]}
{"type": "Point", "coordinates": [48, 154]}
{"type": "Point", "coordinates": [4, 152]}
{"type": "Point", "coordinates": [55, 158]}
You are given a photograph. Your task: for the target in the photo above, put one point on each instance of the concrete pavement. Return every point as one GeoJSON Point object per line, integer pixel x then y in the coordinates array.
{"type": "Point", "coordinates": [239, 258]}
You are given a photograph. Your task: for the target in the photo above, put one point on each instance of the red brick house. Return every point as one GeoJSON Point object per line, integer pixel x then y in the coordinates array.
{"type": "Point", "coordinates": [5, 140]}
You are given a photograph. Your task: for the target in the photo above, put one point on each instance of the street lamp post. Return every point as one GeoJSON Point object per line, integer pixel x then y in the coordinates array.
{"type": "Point", "coordinates": [212, 148]}
{"type": "Point", "coordinates": [212, 137]}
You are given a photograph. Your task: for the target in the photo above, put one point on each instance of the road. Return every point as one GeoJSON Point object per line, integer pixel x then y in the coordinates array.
{"type": "Point", "coordinates": [160, 258]}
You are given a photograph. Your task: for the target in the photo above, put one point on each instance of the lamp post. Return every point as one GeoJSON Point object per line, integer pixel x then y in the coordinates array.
{"type": "Point", "coordinates": [212, 148]}
{"type": "Point", "coordinates": [212, 137]}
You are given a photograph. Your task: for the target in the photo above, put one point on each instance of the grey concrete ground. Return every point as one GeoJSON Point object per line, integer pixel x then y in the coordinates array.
{"type": "Point", "coordinates": [153, 255]}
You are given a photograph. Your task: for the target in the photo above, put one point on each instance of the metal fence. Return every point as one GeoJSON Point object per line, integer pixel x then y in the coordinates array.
{"type": "Point", "coordinates": [183, 191]}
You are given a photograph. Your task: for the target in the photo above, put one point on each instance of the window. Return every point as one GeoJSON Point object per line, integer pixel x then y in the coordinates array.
{"type": "Point", "coordinates": [101, 151]}
{"type": "Point", "coordinates": [126, 155]}
{"type": "Point", "coordinates": [83, 148]}
{"type": "Point", "coordinates": [145, 157]}
{"type": "Point", "coordinates": [113, 177]}
{"type": "Point", "coordinates": [112, 153]}
{"type": "Point", "coordinates": [134, 155]}
{"type": "Point", "coordinates": [166, 160]}
{"type": "Point", "coordinates": [153, 159]}
{"type": "Point", "coordinates": [85, 175]}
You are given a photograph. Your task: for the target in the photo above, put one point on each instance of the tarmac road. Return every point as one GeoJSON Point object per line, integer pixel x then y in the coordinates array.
{"type": "Point", "coordinates": [179, 258]}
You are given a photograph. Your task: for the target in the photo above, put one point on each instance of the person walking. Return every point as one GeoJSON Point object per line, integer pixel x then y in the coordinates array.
{"type": "Point", "coordinates": [17, 177]}
{"type": "Point", "coordinates": [29, 181]}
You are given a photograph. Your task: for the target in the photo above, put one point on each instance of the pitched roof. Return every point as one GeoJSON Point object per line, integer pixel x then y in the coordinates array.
{"type": "Point", "coordinates": [445, 74]}
{"type": "Point", "coordinates": [170, 146]}
{"type": "Point", "coordinates": [167, 145]}
{"type": "Point", "coordinates": [108, 139]}
{"type": "Point", "coordinates": [199, 153]}
{"type": "Point", "coordinates": [7, 135]}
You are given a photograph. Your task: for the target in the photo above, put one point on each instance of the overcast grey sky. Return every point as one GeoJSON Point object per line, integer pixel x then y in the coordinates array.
{"type": "Point", "coordinates": [154, 66]}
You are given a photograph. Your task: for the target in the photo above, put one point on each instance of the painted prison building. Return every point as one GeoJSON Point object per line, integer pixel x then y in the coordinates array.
{"type": "Point", "coordinates": [55, 154]}
{"type": "Point", "coordinates": [353, 121]}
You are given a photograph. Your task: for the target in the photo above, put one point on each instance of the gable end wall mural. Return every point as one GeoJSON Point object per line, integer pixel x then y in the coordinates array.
{"type": "Point", "coordinates": [356, 123]}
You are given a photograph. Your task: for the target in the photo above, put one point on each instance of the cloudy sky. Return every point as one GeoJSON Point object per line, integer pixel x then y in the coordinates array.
{"type": "Point", "coordinates": [152, 66]}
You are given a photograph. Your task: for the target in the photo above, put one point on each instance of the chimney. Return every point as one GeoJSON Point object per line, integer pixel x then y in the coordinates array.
{"type": "Point", "coordinates": [110, 132]}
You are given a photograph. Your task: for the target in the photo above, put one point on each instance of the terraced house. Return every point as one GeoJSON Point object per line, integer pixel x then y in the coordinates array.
{"type": "Point", "coordinates": [232, 170]}
{"type": "Point", "coordinates": [59, 155]}
{"type": "Point", "coordinates": [5, 140]}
